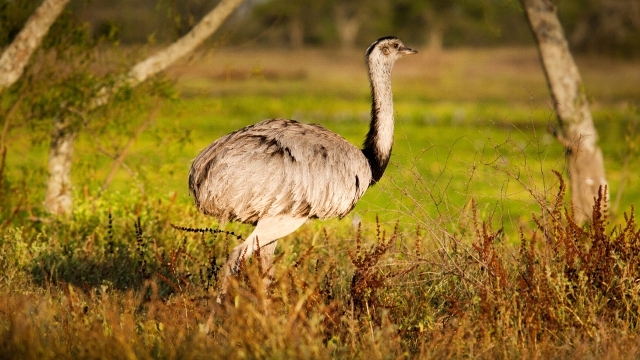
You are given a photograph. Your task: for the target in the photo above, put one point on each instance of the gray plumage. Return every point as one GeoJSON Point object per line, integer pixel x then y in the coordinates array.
{"type": "Point", "coordinates": [279, 173]}
{"type": "Point", "coordinates": [279, 167]}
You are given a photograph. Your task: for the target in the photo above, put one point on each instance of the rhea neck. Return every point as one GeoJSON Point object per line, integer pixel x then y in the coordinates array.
{"type": "Point", "coordinates": [379, 140]}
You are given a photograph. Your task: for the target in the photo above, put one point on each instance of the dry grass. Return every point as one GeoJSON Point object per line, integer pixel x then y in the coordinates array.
{"type": "Point", "coordinates": [116, 288]}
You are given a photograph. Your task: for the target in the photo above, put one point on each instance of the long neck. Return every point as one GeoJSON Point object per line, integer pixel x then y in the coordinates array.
{"type": "Point", "coordinates": [379, 140]}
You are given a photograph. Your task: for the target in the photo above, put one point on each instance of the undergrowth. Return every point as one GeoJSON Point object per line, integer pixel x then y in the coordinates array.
{"type": "Point", "coordinates": [125, 283]}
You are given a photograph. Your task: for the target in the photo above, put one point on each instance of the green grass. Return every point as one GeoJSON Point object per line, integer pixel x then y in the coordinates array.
{"type": "Point", "coordinates": [485, 113]}
{"type": "Point", "coordinates": [470, 124]}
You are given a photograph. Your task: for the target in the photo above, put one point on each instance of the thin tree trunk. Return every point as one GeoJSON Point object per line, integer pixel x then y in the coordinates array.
{"type": "Point", "coordinates": [578, 134]}
{"type": "Point", "coordinates": [58, 199]}
{"type": "Point", "coordinates": [17, 55]}
{"type": "Point", "coordinates": [347, 26]}
{"type": "Point", "coordinates": [435, 40]}
{"type": "Point", "coordinates": [296, 31]}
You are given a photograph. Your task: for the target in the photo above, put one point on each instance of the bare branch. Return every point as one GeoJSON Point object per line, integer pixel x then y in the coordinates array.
{"type": "Point", "coordinates": [17, 55]}
{"type": "Point", "coordinates": [122, 155]}
{"type": "Point", "coordinates": [163, 59]}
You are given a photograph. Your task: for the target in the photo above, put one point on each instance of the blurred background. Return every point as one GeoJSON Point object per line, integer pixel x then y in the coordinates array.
{"type": "Point", "coordinates": [610, 27]}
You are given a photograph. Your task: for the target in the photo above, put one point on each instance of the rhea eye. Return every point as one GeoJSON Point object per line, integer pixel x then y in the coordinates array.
{"type": "Point", "coordinates": [395, 45]}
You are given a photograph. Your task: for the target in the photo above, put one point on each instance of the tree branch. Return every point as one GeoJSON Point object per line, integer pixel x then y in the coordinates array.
{"type": "Point", "coordinates": [163, 59]}
{"type": "Point", "coordinates": [17, 55]}
{"type": "Point", "coordinates": [118, 160]}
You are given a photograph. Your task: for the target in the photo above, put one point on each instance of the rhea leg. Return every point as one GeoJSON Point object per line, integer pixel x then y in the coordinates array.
{"type": "Point", "coordinates": [265, 235]}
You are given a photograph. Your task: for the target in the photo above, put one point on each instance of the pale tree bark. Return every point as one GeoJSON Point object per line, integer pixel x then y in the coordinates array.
{"type": "Point", "coordinates": [347, 25]}
{"type": "Point", "coordinates": [577, 132]}
{"type": "Point", "coordinates": [296, 31]}
{"type": "Point", "coordinates": [58, 198]}
{"type": "Point", "coordinates": [435, 40]}
{"type": "Point", "coordinates": [436, 21]}
{"type": "Point", "coordinates": [58, 193]}
{"type": "Point", "coordinates": [17, 55]}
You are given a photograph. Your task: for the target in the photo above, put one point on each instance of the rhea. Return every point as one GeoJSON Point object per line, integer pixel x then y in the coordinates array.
{"type": "Point", "coordinates": [279, 173]}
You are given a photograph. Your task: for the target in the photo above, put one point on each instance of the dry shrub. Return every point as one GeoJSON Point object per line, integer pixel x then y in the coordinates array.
{"type": "Point", "coordinates": [570, 289]}
{"type": "Point", "coordinates": [303, 314]}
{"type": "Point", "coordinates": [368, 278]}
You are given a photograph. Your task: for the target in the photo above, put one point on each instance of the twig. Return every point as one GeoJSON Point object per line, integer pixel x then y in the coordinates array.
{"type": "Point", "coordinates": [7, 119]}
{"type": "Point", "coordinates": [119, 158]}
{"type": "Point", "coordinates": [205, 230]}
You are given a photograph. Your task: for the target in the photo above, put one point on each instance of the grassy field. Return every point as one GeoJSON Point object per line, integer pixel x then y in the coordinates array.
{"type": "Point", "coordinates": [468, 121]}
{"type": "Point", "coordinates": [483, 262]}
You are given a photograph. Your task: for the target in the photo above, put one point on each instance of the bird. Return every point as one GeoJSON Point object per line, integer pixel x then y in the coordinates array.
{"type": "Point", "coordinates": [279, 173]}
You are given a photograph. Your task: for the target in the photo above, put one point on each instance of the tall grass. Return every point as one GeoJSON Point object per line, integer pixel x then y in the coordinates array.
{"type": "Point", "coordinates": [125, 283]}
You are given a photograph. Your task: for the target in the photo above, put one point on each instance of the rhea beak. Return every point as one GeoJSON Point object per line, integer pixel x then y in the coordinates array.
{"type": "Point", "coordinates": [407, 51]}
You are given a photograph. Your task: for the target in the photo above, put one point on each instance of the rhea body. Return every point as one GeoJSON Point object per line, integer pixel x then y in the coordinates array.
{"type": "Point", "coordinates": [279, 173]}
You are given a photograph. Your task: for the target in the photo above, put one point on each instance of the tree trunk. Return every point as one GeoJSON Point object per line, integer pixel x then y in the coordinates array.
{"type": "Point", "coordinates": [296, 31]}
{"type": "Point", "coordinates": [578, 135]}
{"type": "Point", "coordinates": [17, 55]}
{"type": "Point", "coordinates": [347, 25]}
{"type": "Point", "coordinates": [58, 198]}
{"type": "Point", "coordinates": [435, 40]}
